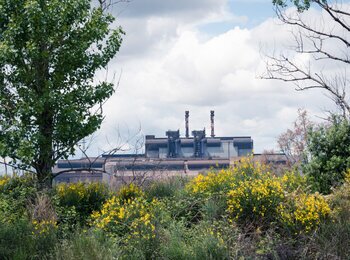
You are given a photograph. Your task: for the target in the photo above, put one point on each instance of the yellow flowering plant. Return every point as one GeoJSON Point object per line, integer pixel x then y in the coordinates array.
{"type": "Point", "coordinates": [302, 212]}
{"type": "Point", "coordinates": [255, 201]}
{"type": "Point", "coordinates": [130, 192]}
{"type": "Point", "coordinates": [126, 218]}
{"type": "Point", "coordinates": [220, 182]}
{"type": "Point", "coordinates": [293, 180]}
{"type": "Point", "coordinates": [83, 197]}
{"type": "Point", "coordinates": [44, 227]}
{"type": "Point", "coordinates": [4, 180]}
{"type": "Point", "coordinates": [212, 183]}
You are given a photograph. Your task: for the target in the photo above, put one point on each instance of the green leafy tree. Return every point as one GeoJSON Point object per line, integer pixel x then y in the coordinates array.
{"type": "Point", "coordinates": [329, 147]}
{"type": "Point", "coordinates": [50, 51]}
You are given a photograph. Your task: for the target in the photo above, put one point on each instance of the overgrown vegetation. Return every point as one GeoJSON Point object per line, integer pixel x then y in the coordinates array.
{"type": "Point", "coordinates": [246, 211]}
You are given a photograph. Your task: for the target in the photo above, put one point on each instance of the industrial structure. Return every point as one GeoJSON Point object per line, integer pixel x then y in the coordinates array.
{"type": "Point", "coordinates": [170, 155]}
{"type": "Point", "coordinates": [198, 145]}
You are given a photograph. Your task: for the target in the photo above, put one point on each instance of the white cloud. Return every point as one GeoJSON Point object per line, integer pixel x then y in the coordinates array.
{"type": "Point", "coordinates": [169, 66]}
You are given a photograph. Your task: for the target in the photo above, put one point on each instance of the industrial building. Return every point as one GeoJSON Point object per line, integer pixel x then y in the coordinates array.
{"type": "Point", "coordinates": [198, 145]}
{"type": "Point", "coordinates": [170, 155]}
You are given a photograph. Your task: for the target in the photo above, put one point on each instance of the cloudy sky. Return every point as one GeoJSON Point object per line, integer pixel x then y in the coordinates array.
{"type": "Point", "coordinates": [200, 55]}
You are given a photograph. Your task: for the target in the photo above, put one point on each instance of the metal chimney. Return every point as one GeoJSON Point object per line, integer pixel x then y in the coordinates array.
{"type": "Point", "coordinates": [187, 114]}
{"type": "Point", "coordinates": [212, 123]}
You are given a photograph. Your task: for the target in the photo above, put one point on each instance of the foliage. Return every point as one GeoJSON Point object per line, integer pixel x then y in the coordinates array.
{"type": "Point", "coordinates": [15, 194]}
{"type": "Point", "coordinates": [126, 219]}
{"type": "Point", "coordinates": [288, 222]}
{"type": "Point", "coordinates": [201, 242]}
{"type": "Point", "coordinates": [19, 240]}
{"type": "Point", "coordinates": [303, 212]}
{"type": "Point", "coordinates": [221, 182]}
{"type": "Point", "coordinates": [129, 192]}
{"type": "Point", "coordinates": [81, 198]}
{"type": "Point", "coordinates": [165, 188]}
{"type": "Point", "coordinates": [329, 147]}
{"type": "Point", "coordinates": [255, 201]}
{"type": "Point", "coordinates": [340, 201]}
{"type": "Point", "coordinates": [50, 51]}
{"type": "Point", "coordinates": [89, 246]}
{"type": "Point", "coordinates": [253, 196]}
{"type": "Point", "coordinates": [294, 181]}
{"type": "Point", "coordinates": [18, 187]}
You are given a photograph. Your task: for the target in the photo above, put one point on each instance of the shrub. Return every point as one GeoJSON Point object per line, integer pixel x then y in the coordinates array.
{"type": "Point", "coordinates": [15, 194]}
{"type": "Point", "coordinates": [220, 182]}
{"type": "Point", "coordinates": [214, 208]}
{"type": "Point", "coordinates": [329, 147]}
{"type": "Point", "coordinates": [185, 207]}
{"type": "Point", "coordinates": [332, 239]}
{"type": "Point", "coordinates": [129, 192]}
{"type": "Point", "coordinates": [4, 180]}
{"type": "Point", "coordinates": [18, 187]}
{"type": "Point", "coordinates": [293, 180]}
{"type": "Point", "coordinates": [20, 241]}
{"type": "Point", "coordinates": [81, 198]}
{"type": "Point", "coordinates": [303, 212]}
{"type": "Point", "coordinates": [340, 201]}
{"type": "Point", "coordinates": [255, 201]}
{"type": "Point", "coordinates": [213, 183]}
{"type": "Point", "coordinates": [126, 217]}
{"type": "Point", "coordinates": [133, 222]}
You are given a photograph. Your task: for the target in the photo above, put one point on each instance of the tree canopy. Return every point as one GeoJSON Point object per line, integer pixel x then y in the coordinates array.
{"type": "Point", "coordinates": [330, 154]}
{"type": "Point", "coordinates": [50, 51]}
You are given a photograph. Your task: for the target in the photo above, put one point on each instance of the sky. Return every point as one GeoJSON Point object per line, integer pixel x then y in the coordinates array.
{"type": "Point", "coordinates": [199, 55]}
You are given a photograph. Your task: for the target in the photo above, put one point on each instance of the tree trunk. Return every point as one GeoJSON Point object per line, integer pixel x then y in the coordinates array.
{"type": "Point", "coordinates": [45, 158]}
{"type": "Point", "coordinates": [45, 118]}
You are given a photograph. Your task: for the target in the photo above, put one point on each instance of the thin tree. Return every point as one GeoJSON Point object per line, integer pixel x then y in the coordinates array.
{"type": "Point", "coordinates": [293, 142]}
{"type": "Point", "coordinates": [50, 51]}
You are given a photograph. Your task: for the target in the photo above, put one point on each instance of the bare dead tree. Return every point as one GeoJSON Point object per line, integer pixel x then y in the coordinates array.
{"type": "Point", "coordinates": [325, 42]}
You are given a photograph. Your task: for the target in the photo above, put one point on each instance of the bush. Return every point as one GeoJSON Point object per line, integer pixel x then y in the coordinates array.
{"type": "Point", "coordinates": [293, 180]}
{"type": "Point", "coordinates": [129, 192]}
{"type": "Point", "coordinates": [221, 182]}
{"type": "Point", "coordinates": [329, 147]}
{"type": "Point", "coordinates": [80, 199]}
{"type": "Point", "coordinates": [129, 218]}
{"type": "Point", "coordinates": [255, 201]}
{"type": "Point", "coordinates": [18, 187]}
{"type": "Point", "coordinates": [15, 194]}
{"type": "Point", "coordinates": [332, 239]}
{"type": "Point", "coordinates": [132, 221]}
{"type": "Point", "coordinates": [303, 212]}
{"type": "Point", "coordinates": [19, 240]}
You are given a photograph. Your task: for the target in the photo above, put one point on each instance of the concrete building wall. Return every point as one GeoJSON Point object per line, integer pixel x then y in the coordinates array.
{"type": "Point", "coordinates": [186, 152]}
{"type": "Point", "coordinates": [163, 153]}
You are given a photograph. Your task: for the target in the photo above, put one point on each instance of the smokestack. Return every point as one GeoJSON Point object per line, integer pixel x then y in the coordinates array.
{"type": "Point", "coordinates": [212, 123]}
{"type": "Point", "coordinates": [187, 114]}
